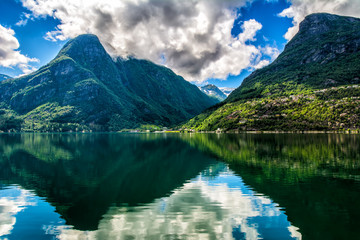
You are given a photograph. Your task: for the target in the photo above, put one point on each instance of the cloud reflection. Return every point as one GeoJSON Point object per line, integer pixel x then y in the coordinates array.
{"type": "Point", "coordinates": [207, 207]}
{"type": "Point", "coordinates": [12, 201]}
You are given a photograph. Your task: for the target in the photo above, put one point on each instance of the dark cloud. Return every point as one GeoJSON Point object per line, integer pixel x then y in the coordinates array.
{"type": "Point", "coordinates": [3, 54]}
{"type": "Point", "coordinates": [185, 60]}
{"type": "Point", "coordinates": [193, 36]}
{"type": "Point", "coordinates": [103, 20]}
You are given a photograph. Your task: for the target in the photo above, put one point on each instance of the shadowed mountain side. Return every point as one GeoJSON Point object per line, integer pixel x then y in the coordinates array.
{"type": "Point", "coordinates": [296, 171]}
{"type": "Point", "coordinates": [78, 172]}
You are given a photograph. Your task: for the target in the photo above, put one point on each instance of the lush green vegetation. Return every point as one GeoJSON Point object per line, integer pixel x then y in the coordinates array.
{"type": "Point", "coordinates": [312, 85]}
{"type": "Point", "coordinates": [84, 89]}
{"type": "Point", "coordinates": [9, 120]}
{"type": "Point", "coordinates": [322, 110]}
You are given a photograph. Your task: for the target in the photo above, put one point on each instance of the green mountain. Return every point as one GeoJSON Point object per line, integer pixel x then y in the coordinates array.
{"type": "Point", "coordinates": [4, 77]}
{"type": "Point", "coordinates": [83, 88]}
{"type": "Point", "coordinates": [213, 91]}
{"type": "Point", "coordinates": [312, 85]}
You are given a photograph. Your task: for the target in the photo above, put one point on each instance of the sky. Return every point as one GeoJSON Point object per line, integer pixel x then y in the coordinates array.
{"type": "Point", "coordinates": [205, 41]}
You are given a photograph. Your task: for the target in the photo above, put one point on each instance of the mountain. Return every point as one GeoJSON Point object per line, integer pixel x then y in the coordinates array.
{"type": "Point", "coordinates": [213, 91]}
{"type": "Point", "coordinates": [312, 85]}
{"type": "Point", "coordinates": [83, 88]}
{"type": "Point", "coordinates": [227, 90]}
{"type": "Point", "coordinates": [4, 77]}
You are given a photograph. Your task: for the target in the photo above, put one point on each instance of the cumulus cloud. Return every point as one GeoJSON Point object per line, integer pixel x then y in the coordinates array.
{"type": "Point", "coordinates": [9, 56]}
{"type": "Point", "coordinates": [272, 52]}
{"type": "Point", "coordinates": [299, 9]}
{"type": "Point", "coordinates": [191, 37]}
{"type": "Point", "coordinates": [12, 201]}
{"type": "Point", "coordinates": [262, 64]}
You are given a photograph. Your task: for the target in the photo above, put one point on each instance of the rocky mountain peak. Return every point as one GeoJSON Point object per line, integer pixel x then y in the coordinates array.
{"type": "Point", "coordinates": [213, 91]}
{"type": "Point", "coordinates": [321, 38]}
{"type": "Point", "coordinates": [316, 26]}
{"type": "Point", "coordinates": [317, 23]}
{"type": "Point", "coordinates": [84, 48]}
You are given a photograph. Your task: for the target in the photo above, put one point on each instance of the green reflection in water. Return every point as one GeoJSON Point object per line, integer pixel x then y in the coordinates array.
{"type": "Point", "coordinates": [315, 177]}
{"type": "Point", "coordinates": [82, 175]}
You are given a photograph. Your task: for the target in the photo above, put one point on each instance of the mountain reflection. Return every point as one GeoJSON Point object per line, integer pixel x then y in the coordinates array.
{"type": "Point", "coordinates": [183, 186]}
{"type": "Point", "coordinates": [315, 177]}
{"type": "Point", "coordinates": [210, 206]}
{"type": "Point", "coordinates": [201, 209]}
{"type": "Point", "coordinates": [78, 172]}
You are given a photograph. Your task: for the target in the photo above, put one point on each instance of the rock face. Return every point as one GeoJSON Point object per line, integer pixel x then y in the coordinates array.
{"type": "Point", "coordinates": [324, 53]}
{"type": "Point", "coordinates": [312, 85]}
{"type": "Point", "coordinates": [337, 35]}
{"type": "Point", "coordinates": [213, 91]}
{"type": "Point", "coordinates": [84, 85]}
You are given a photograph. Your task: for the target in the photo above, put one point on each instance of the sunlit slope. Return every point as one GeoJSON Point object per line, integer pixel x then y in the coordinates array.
{"type": "Point", "coordinates": [312, 85]}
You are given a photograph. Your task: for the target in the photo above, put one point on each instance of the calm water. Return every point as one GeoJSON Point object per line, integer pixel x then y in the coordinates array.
{"type": "Point", "coordinates": [179, 186]}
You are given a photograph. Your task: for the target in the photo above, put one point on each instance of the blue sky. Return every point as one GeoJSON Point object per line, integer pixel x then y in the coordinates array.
{"type": "Point", "coordinates": [272, 32]}
{"type": "Point", "coordinates": [195, 40]}
{"type": "Point", "coordinates": [30, 36]}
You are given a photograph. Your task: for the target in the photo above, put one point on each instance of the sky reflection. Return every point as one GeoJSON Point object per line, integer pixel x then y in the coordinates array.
{"type": "Point", "coordinates": [214, 205]}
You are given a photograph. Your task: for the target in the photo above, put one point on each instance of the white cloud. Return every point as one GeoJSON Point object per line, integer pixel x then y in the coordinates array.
{"type": "Point", "coordinates": [22, 22]}
{"type": "Point", "coordinates": [272, 52]}
{"type": "Point", "coordinates": [261, 64]}
{"type": "Point", "coordinates": [9, 56]}
{"type": "Point", "coordinates": [299, 9]}
{"type": "Point", "coordinates": [191, 37]}
{"type": "Point", "coordinates": [24, 19]}
{"type": "Point", "coordinates": [11, 205]}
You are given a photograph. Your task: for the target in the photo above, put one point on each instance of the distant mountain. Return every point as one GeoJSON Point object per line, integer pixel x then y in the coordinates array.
{"type": "Point", "coordinates": [312, 85]}
{"type": "Point", "coordinates": [226, 90]}
{"type": "Point", "coordinates": [213, 91]}
{"type": "Point", "coordinates": [4, 77]}
{"type": "Point", "coordinates": [84, 88]}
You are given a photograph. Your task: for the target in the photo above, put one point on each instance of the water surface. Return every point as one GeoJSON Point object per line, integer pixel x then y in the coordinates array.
{"type": "Point", "coordinates": [179, 186]}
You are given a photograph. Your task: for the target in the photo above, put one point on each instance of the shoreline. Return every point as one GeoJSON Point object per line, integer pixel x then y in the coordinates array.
{"type": "Point", "coordinates": [354, 132]}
